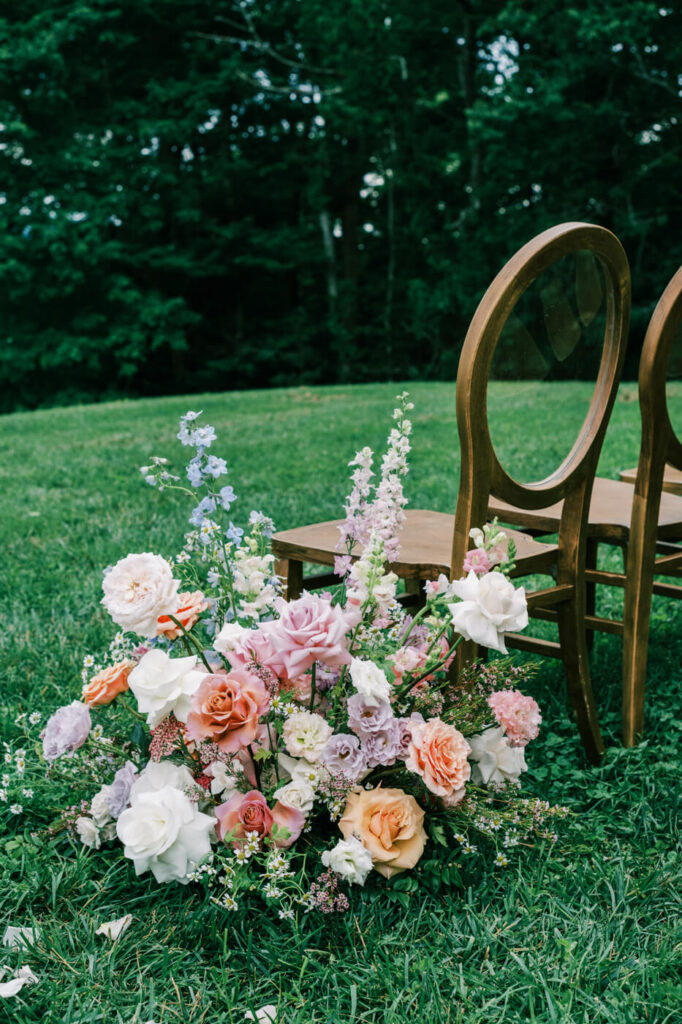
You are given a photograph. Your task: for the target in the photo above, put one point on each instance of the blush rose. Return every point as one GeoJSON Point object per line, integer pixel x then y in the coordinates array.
{"type": "Point", "coordinates": [249, 812]}
{"type": "Point", "coordinates": [226, 708]}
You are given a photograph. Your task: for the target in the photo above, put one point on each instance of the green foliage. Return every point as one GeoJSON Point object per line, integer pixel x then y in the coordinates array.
{"type": "Point", "coordinates": [310, 190]}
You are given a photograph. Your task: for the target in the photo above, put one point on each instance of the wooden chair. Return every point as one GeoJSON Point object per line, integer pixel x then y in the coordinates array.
{"type": "Point", "coordinates": [433, 542]}
{"type": "Point", "coordinates": [644, 516]}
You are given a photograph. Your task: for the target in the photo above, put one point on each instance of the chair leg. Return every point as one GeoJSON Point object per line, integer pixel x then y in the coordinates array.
{"type": "Point", "coordinates": [291, 574]}
{"type": "Point", "coordinates": [571, 617]}
{"type": "Point", "coordinates": [636, 618]}
{"type": "Point", "coordinates": [591, 551]}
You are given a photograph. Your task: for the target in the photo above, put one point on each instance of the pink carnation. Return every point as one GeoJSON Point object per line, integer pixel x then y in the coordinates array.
{"type": "Point", "coordinates": [518, 715]}
{"type": "Point", "coordinates": [477, 561]}
{"type": "Point", "coordinates": [309, 629]}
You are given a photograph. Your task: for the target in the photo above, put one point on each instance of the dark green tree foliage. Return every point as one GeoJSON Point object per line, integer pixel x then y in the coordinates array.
{"type": "Point", "coordinates": [200, 196]}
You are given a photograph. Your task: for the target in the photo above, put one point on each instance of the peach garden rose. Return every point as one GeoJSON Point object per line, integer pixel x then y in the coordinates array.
{"type": "Point", "coordinates": [190, 607]}
{"type": "Point", "coordinates": [438, 752]}
{"type": "Point", "coordinates": [226, 709]}
{"type": "Point", "coordinates": [390, 824]}
{"type": "Point", "coordinates": [107, 684]}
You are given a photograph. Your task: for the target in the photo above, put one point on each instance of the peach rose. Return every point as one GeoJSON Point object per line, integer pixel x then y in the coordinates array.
{"type": "Point", "coordinates": [390, 824]}
{"type": "Point", "coordinates": [190, 607]}
{"type": "Point", "coordinates": [226, 708]}
{"type": "Point", "coordinates": [107, 684]}
{"type": "Point", "coordinates": [438, 752]}
{"type": "Point", "coordinates": [249, 812]}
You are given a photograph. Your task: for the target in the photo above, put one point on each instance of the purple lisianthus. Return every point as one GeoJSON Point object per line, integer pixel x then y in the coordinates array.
{"type": "Point", "coordinates": [405, 731]}
{"type": "Point", "coordinates": [119, 790]}
{"type": "Point", "coordinates": [382, 747]}
{"type": "Point", "coordinates": [342, 755]}
{"type": "Point", "coordinates": [366, 717]}
{"type": "Point", "coordinates": [67, 729]}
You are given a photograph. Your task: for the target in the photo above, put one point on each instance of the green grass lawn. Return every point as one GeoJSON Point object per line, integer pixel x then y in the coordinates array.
{"type": "Point", "coordinates": [586, 932]}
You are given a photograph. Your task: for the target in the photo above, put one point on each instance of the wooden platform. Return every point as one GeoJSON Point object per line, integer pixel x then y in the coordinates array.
{"type": "Point", "coordinates": [672, 480]}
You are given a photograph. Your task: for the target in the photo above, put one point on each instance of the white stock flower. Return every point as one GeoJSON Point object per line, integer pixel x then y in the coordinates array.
{"type": "Point", "coordinates": [137, 590]}
{"type": "Point", "coordinates": [88, 833]}
{"type": "Point", "coordinates": [99, 808]}
{"type": "Point", "coordinates": [221, 781]}
{"type": "Point", "coordinates": [162, 684]}
{"type": "Point", "coordinates": [489, 606]}
{"type": "Point", "coordinates": [230, 636]}
{"type": "Point", "coordinates": [350, 859]}
{"type": "Point", "coordinates": [494, 759]}
{"type": "Point", "coordinates": [164, 832]}
{"type": "Point", "coordinates": [298, 793]}
{"type": "Point", "coordinates": [369, 680]}
{"type": "Point", "coordinates": [305, 734]}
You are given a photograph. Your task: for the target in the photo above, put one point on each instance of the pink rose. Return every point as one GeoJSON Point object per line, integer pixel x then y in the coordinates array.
{"type": "Point", "coordinates": [249, 812]}
{"type": "Point", "coordinates": [438, 752]}
{"type": "Point", "coordinates": [226, 708]}
{"type": "Point", "coordinates": [518, 715]}
{"type": "Point", "coordinates": [309, 629]}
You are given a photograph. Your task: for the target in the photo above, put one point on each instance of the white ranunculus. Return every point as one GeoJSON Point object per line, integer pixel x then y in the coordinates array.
{"type": "Point", "coordinates": [350, 859]}
{"type": "Point", "coordinates": [230, 636]}
{"type": "Point", "coordinates": [489, 607]}
{"type": "Point", "coordinates": [221, 781]}
{"type": "Point", "coordinates": [164, 832]}
{"type": "Point", "coordinates": [493, 758]}
{"type": "Point", "coordinates": [369, 680]}
{"type": "Point", "coordinates": [88, 833]}
{"type": "Point", "coordinates": [305, 734]}
{"type": "Point", "coordinates": [99, 808]}
{"type": "Point", "coordinates": [298, 793]}
{"type": "Point", "coordinates": [162, 684]}
{"type": "Point", "coordinates": [137, 590]}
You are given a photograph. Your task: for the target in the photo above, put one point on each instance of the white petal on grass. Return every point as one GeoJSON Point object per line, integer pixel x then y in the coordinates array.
{"type": "Point", "coordinates": [266, 1015]}
{"type": "Point", "coordinates": [24, 976]}
{"type": "Point", "coordinates": [114, 929]}
{"type": "Point", "coordinates": [19, 936]}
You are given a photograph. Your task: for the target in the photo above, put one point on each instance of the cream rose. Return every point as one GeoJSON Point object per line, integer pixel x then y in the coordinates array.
{"type": "Point", "coordinates": [162, 684]}
{"type": "Point", "coordinates": [438, 752]}
{"type": "Point", "coordinates": [350, 859]}
{"type": "Point", "coordinates": [369, 680]}
{"type": "Point", "coordinates": [489, 606]}
{"type": "Point", "coordinates": [496, 761]}
{"type": "Point", "coordinates": [88, 833]}
{"type": "Point", "coordinates": [305, 734]}
{"type": "Point", "coordinates": [138, 590]}
{"type": "Point", "coordinates": [390, 824]}
{"type": "Point", "coordinates": [298, 793]}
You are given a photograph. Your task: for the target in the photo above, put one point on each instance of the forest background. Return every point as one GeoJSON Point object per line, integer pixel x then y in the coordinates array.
{"type": "Point", "coordinates": [272, 192]}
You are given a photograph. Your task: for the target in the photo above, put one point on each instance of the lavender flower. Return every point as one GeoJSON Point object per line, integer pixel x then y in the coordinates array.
{"type": "Point", "coordinates": [215, 467]}
{"type": "Point", "coordinates": [67, 729]}
{"type": "Point", "coordinates": [227, 496]}
{"type": "Point", "coordinates": [234, 533]}
{"type": "Point", "coordinates": [194, 474]}
{"type": "Point", "coordinates": [342, 755]}
{"type": "Point", "coordinates": [366, 717]}
{"type": "Point", "coordinates": [202, 510]}
{"type": "Point", "coordinates": [405, 731]}
{"type": "Point", "coordinates": [119, 790]}
{"type": "Point", "coordinates": [382, 747]}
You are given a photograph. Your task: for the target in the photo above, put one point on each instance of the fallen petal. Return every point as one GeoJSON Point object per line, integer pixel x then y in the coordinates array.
{"type": "Point", "coordinates": [19, 936]}
{"type": "Point", "coordinates": [24, 976]}
{"type": "Point", "coordinates": [266, 1015]}
{"type": "Point", "coordinates": [113, 929]}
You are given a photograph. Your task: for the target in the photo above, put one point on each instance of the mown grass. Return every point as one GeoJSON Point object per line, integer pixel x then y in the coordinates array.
{"type": "Point", "coordinates": [585, 932]}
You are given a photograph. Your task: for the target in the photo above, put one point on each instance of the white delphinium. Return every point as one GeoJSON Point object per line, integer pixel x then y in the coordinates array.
{"type": "Point", "coordinates": [222, 782]}
{"type": "Point", "coordinates": [137, 590]}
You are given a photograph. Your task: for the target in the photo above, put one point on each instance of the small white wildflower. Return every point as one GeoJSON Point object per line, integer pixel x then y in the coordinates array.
{"type": "Point", "coordinates": [501, 861]}
{"type": "Point", "coordinates": [8, 758]}
{"type": "Point", "coordinates": [6, 780]}
{"type": "Point", "coordinates": [97, 732]}
{"type": "Point", "coordinates": [88, 661]}
{"type": "Point", "coordinates": [27, 794]}
{"type": "Point", "coordinates": [34, 717]}
{"type": "Point", "coordinates": [3, 796]}
{"type": "Point", "coordinates": [242, 854]}
{"type": "Point", "coordinates": [20, 764]}
{"type": "Point", "coordinates": [16, 809]}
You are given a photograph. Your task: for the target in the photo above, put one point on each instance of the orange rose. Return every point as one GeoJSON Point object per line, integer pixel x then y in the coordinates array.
{"type": "Point", "coordinates": [189, 609]}
{"type": "Point", "coordinates": [438, 752]}
{"type": "Point", "coordinates": [107, 684]}
{"type": "Point", "coordinates": [390, 824]}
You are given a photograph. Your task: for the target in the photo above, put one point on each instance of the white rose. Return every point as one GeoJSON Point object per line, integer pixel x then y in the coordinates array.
{"type": "Point", "coordinates": [99, 808]}
{"type": "Point", "coordinates": [230, 636]}
{"type": "Point", "coordinates": [157, 775]}
{"type": "Point", "coordinates": [489, 607]}
{"type": "Point", "coordinates": [162, 684]}
{"type": "Point", "coordinates": [163, 832]}
{"type": "Point", "coordinates": [221, 781]}
{"type": "Point", "coordinates": [369, 680]}
{"type": "Point", "coordinates": [88, 833]}
{"type": "Point", "coordinates": [305, 734]}
{"type": "Point", "coordinates": [494, 759]}
{"type": "Point", "coordinates": [350, 859]}
{"type": "Point", "coordinates": [137, 590]}
{"type": "Point", "coordinates": [298, 793]}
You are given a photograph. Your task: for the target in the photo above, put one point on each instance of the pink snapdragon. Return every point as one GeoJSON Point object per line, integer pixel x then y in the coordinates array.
{"type": "Point", "coordinates": [518, 715]}
{"type": "Point", "coordinates": [477, 561]}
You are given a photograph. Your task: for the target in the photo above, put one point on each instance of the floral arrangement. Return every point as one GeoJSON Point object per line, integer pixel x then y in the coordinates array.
{"type": "Point", "coordinates": [292, 749]}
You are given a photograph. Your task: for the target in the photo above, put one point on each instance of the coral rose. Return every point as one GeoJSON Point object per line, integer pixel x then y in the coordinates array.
{"type": "Point", "coordinates": [226, 708]}
{"type": "Point", "coordinates": [107, 684]}
{"type": "Point", "coordinates": [249, 812]}
{"type": "Point", "coordinates": [438, 752]}
{"type": "Point", "coordinates": [190, 607]}
{"type": "Point", "coordinates": [390, 824]}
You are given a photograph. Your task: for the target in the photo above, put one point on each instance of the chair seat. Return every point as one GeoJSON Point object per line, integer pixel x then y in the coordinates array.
{"type": "Point", "coordinates": [425, 546]}
{"type": "Point", "coordinates": [610, 513]}
{"type": "Point", "coordinates": [672, 480]}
